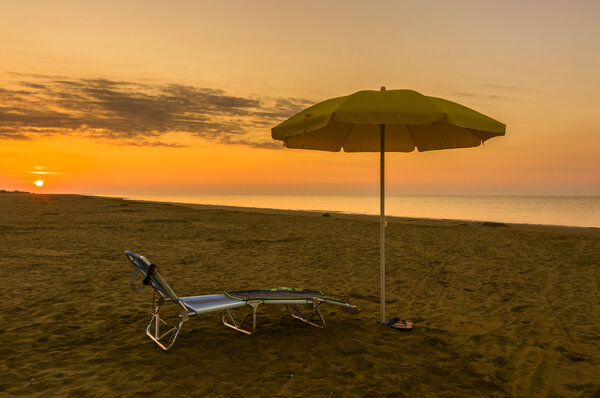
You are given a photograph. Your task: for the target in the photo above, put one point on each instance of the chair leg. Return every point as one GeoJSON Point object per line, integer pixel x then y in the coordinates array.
{"type": "Point", "coordinates": [155, 328]}
{"type": "Point", "coordinates": [239, 326]}
{"type": "Point", "coordinates": [296, 313]}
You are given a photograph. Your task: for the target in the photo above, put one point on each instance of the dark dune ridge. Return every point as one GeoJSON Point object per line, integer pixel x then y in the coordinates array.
{"type": "Point", "coordinates": [510, 311]}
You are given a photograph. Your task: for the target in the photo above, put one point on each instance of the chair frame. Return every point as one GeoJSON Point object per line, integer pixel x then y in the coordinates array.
{"type": "Point", "coordinates": [165, 339]}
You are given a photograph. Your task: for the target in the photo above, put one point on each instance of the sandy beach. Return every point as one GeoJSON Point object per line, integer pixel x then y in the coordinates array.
{"type": "Point", "coordinates": [499, 310]}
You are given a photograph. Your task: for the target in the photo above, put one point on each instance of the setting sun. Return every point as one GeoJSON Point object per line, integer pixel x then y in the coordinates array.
{"type": "Point", "coordinates": [39, 183]}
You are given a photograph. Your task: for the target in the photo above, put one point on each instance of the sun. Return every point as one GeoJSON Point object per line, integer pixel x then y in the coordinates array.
{"type": "Point", "coordinates": [39, 183]}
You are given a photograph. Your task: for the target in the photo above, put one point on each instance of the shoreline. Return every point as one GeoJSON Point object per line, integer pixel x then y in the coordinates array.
{"type": "Point", "coordinates": [344, 214]}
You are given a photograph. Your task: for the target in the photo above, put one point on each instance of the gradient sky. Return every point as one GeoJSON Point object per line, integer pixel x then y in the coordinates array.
{"type": "Point", "coordinates": [149, 97]}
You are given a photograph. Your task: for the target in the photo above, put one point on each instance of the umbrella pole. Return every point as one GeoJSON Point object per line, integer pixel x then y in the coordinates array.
{"type": "Point", "coordinates": [382, 318]}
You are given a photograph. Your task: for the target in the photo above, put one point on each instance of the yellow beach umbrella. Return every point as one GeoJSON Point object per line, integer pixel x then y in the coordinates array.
{"type": "Point", "coordinates": [380, 121]}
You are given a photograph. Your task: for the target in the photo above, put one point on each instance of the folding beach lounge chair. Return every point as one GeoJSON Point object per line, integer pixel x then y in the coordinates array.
{"type": "Point", "coordinates": [165, 334]}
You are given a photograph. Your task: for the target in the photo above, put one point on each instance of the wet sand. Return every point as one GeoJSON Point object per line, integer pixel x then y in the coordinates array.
{"type": "Point", "coordinates": [499, 310]}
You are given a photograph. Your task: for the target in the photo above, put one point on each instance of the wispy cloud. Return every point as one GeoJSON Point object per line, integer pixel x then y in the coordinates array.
{"type": "Point", "coordinates": [38, 172]}
{"type": "Point", "coordinates": [136, 113]}
{"type": "Point", "coordinates": [499, 86]}
{"type": "Point", "coordinates": [496, 91]}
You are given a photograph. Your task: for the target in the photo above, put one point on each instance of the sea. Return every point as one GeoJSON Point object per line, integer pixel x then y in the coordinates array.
{"type": "Point", "coordinates": [579, 211]}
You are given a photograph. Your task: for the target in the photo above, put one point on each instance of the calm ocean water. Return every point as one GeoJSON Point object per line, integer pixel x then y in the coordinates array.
{"type": "Point", "coordinates": [582, 211]}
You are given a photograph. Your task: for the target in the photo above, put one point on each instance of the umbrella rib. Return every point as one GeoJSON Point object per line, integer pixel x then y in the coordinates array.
{"type": "Point", "coordinates": [475, 135]}
{"type": "Point", "coordinates": [412, 137]}
{"type": "Point", "coordinates": [348, 134]}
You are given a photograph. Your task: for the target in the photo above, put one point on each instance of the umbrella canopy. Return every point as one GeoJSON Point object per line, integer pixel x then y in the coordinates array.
{"type": "Point", "coordinates": [411, 120]}
{"type": "Point", "coordinates": [380, 121]}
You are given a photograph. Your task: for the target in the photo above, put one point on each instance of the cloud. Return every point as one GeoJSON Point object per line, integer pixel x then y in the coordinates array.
{"type": "Point", "coordinates": [137, 113]}
{"type": "Point", "coordinates": [503, 86]}
{"type": "Point", "coordinates": [12, 135]}
{"type": "Point", "coordinates": [503, 92]}
{"type": "Point", "coordinates": [36, 172]}
{"type": "Point", "coordinates": [490, 96]}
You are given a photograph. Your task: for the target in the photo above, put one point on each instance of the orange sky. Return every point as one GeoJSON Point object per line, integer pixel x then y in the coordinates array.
{"type": "Point", "coordinates": [179, 97]}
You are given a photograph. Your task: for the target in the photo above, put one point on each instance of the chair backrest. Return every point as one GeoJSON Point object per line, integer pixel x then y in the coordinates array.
{"type": "Point", "coordinates": [158, 283]}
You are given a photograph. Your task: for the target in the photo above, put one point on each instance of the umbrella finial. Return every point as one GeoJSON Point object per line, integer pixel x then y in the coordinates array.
{"type": "Point", "coordinates": [382, 88]}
